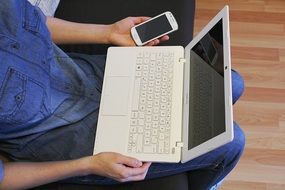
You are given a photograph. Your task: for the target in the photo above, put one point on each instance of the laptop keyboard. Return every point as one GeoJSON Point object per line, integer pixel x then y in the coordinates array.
{"type": "Point", "coordinates": [151, 107]}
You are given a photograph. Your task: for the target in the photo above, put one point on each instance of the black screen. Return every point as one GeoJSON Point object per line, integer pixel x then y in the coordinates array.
{"type": "Point", "coordinates": [207, 99]}
{"type": "Point", "coordinates": [153, 28]}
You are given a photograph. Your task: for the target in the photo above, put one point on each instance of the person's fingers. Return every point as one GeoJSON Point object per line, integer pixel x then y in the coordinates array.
{"type": "Point", "coordinates": [132, 174]}
{"type": "Point", "coordinates": [128, 161]}
{"type": "Point", "coordinates": [164, 38]}
{"type": "Point", "coordinates": [138, 20]}
{"type": "Point", "coordinates": [153, 42]}
{"type": "Point", "coordinates": [140, 176]}
{"type": "Point", "coordinates": [157, 41]}
{"type": "Point", "coordinates": [139, 171]}
{"type": "Point", "coordinates": [147, 164]}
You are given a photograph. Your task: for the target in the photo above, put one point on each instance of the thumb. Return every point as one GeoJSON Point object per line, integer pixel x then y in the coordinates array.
{"type": "Point", "coordinates": [131, 162]}
{"type": "Point", "coordinates": [138, 20]}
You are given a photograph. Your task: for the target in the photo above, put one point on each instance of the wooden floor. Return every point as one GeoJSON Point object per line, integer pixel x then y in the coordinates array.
{"type": "Point", "coordinates": [258, 53]}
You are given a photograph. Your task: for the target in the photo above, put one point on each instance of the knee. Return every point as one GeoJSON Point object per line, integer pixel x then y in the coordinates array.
{"type": "Point", "coordinates": [237, 85]}
{"type": "Point", "coordinates": [239, 138]}
{"type": "Point", "coordinates": [236, 147]}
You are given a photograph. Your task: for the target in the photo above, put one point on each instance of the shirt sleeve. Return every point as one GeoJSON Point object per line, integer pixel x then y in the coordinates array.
{"type": "Point", "coordinates": [48, 7]}
{"type": "Point", "coordinates": [1, 171]}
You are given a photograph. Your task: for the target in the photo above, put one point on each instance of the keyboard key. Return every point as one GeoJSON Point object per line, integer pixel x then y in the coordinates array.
{"type": "Point", "coordinates": [146, 54]}
{"type": "Point", "coordinates": [148, 118]}
{"type": "Point", "coordinates": [135, 114]}
{"type": "Point", "coordinates": [142, 108]}
{"type": "Point", "coordinates": [155, 117]}
{"type": "Point", "coordinates": [141, 122]}
{"type": "Point", "coordinates": [154, 132]}
{"type": "Point", "coordinates": [145, 67]}
{"type": "Point", "coordinates": [140, 55]}
{"type": "Point", "coordinates": [139, 145]}
{"type": "Point", "coordinates": [138, 74]}
{"type": "Point", "coordinates": [149, 97]}
{"type": "Point", "coordinates": [144, 73]}
{"type": "Point", "coordinates": [146, 141]}
{"type": "Point", "coordinates": [141, 115]}
{"type": "Point", "coordinates": [149, 104]}
{"type": "Point", "coordinates": [138, 67]}
{"type": "Point", "coordinates": [160, 147]}
{"type": "Point", "coordinates": [155, 124]}
{"type": "Point", "coordinates": [161, 136]}
{"type": "Point", "coordinates": [162, 128]}
{"type": "Point", "coordinates": [149, 149]}
{"type": "Point", "coordinates": [135, 103]}
{"type": "Point", "coordinates": [147, 134]}
{"type": "Point", "coordinates": [162, 121]}
{"type": "Point", "coordinates": [148, 126]}
{"type": "Point", "coordinates": [143, 100]}
{"type": "Point", "coordinates": [157, 82]}
{"type": "Point", "coordinates": [140, 129]}
{"type": "Point", "coordinates": [134, 122]}
{"type": "Point", "coordinates": [153, 140]}
{"type": "Point", "coordinates": [133, 129]}
{"type": "Point", "coordinates": [156, 109]}
{"type": "Point", "coordinates": [158, 75]}
{"type": "Point", "coordinates": [139, 61]}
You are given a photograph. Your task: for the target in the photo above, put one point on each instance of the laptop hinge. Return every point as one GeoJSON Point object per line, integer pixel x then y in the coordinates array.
{"type": "Point", "coordinates": [179, 144]}
{"type": "Point", "coordinates": [182, 60]}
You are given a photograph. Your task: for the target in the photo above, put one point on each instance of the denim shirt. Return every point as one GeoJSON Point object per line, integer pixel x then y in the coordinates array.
{"type": "Point", "coordinates": [41, 88]}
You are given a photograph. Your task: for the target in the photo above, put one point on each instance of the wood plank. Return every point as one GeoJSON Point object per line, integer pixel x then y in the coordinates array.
{"type": "Point", "coordinates": [258, 17]}
{"type": "Point", "coordinates": [255, 53]}
{"type": "Point", "coordinates": [266, 140]}
{"type": "Point", "coordinates": [261, 73]}
{"type": "Point", "coordinates": [245, 16]}
{"type": "Point", "coordinates": [275, 6]}
{"type": "Point", "coordinates": [247, 28]}
{"type": "Point", "coordinates": [256, 28]}
{"type": "Point", "coordinates": [282, 55]}
{"type": "Point", "coordinates": [254, 40]}
{"type": "Point", "coordinates": [265, 95]}
{"type": "Point", "coordinates": [244, 5]}
{"type": "Point", "coordinates": [237, 185]}
{"type": "Point", "coordinates": [259, 115]}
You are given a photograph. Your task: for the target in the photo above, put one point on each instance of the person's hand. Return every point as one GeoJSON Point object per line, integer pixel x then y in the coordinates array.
{"type": "Point", "coordinates": [116, 166]}
{"type": "Point", "coordinates": [120, 32]}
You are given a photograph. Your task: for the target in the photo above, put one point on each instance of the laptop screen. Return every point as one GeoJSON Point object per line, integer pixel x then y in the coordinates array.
{"type": "Point", "coordinates": [207, 101]}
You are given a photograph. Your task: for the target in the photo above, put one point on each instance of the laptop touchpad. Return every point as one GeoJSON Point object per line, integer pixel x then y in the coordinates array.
{"type": "Point", "coordinates": [116, 96]}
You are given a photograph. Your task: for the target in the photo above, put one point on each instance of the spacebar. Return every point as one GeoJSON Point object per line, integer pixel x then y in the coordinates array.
{"type": "Point", "coordinates": [136, 93]}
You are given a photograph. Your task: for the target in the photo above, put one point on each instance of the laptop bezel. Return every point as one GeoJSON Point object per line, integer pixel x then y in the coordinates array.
{"type": "Point", "coordinates": [228, 135]}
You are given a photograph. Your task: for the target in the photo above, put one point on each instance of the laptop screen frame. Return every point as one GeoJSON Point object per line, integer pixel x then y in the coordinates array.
{"type": "Point", "coordinates": [227, 136]}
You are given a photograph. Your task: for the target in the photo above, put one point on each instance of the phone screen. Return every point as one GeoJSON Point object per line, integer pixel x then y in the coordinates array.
{"type": "Point", "coordinates": [153, 28]}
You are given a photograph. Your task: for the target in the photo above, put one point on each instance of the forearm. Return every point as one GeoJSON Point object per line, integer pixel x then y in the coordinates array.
{"type": "Point", "coordinates": [28, 175]}
{"type": "Point", "coordinates": [64, 32]}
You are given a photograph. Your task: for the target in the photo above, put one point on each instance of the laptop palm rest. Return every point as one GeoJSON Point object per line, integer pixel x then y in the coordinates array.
{"type": "Point", "coordinates": [116, 96]}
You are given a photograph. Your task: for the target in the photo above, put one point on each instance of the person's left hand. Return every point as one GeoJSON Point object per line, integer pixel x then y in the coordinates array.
{"type": "Point", "coordinates": [120, 32]}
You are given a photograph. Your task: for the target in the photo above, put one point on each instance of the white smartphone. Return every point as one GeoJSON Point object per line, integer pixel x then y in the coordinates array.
{"type": "Point", "coordinates": [154, 28]}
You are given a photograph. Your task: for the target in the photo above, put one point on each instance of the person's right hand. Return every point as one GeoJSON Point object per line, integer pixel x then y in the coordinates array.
{"type": "Point", "coordinates": [120, 32]}
{"type": "Point", "coordinates": [116, 166]}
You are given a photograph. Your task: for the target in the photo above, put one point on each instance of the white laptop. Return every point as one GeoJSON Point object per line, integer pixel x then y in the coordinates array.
{"type": "Point", "coordinates": [167, 103]}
